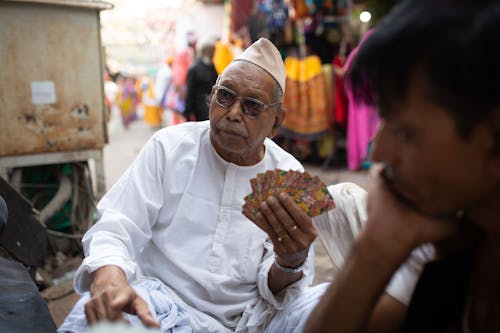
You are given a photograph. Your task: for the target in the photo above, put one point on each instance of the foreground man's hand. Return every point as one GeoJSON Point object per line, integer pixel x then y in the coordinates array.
{"type": "Point", "coordinates": [112, 295]}
{"type": "Point", "coordinates": [356, 302]}
{"type": "Point", "coordinates": [397, 225]}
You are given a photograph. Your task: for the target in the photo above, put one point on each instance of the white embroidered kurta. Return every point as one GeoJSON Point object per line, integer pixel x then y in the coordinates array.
{"type": "Point", "coordinates": [175, 215]}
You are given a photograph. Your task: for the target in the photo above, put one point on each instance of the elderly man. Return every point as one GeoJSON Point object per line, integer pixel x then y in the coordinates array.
{"type": "Point", "coordinates": [172, 246]}
{"type": "Point", "coordinates": [434, 67]}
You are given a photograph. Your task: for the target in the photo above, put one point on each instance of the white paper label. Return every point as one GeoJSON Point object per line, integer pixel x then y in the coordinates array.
{"type": "Point", "coordinates": [43, 92]}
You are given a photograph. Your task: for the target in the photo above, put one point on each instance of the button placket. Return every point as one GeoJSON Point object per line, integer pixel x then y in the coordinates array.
{"type": "Point", "coordinates": [216, 255]}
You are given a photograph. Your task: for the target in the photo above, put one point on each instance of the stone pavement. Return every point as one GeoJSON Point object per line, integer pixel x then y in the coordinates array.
{"type": "Point", "coordinates": [124, 145]}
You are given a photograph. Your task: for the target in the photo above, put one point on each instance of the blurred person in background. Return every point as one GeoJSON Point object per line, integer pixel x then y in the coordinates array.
{"type": "Point", "coordinates": [127, 98]}
{"type": "Point", "coordinates": [200, 79]}
{"type": "Point", "coordinates": [162, 84]}
{"type": "Point", "coordinates": [152, 110]}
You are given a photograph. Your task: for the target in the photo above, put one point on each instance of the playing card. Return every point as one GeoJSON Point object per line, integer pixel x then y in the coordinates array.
{"type": "Point", "coordinates": [310, 193]}
{"type": "Point", "coordinates": [251, 206]}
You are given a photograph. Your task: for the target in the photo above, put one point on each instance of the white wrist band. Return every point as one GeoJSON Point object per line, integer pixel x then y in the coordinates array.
{"type": "Point", "coordinates": [289, 269]}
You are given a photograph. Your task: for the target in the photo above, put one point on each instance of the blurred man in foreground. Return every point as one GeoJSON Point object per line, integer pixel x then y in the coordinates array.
{"type": "Point", "coordinates": [432, 68]}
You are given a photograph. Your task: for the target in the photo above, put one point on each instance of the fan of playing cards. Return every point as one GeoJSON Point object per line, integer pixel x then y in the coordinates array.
{"type": "Point", "coordinates": [309, 192]}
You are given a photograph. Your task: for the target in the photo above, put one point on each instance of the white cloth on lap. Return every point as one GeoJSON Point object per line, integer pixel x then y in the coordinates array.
{"type": "Point", "coordinates": [171, 314]}
{"type": "Point", "coordinates": [174, 316]}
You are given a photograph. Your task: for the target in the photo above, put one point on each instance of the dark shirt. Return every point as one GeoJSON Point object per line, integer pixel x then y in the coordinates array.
{"type": "Point", "coordinates": [437, 305]}
{"type": "Point", "coordinates": [200, 80]}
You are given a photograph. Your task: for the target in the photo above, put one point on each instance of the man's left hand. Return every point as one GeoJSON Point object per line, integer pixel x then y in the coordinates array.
{"type": "Point", "coordinates": [289, 227]}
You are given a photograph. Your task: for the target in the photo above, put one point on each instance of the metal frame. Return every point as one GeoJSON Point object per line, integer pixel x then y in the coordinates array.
{"type": "Point", "coordinates": [7, 162]}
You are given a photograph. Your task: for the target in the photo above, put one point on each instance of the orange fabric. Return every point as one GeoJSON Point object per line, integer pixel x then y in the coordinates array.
{"type": "Point", "coordinates": [152, 112]}
{"type": "Point", "coordinates": [301, 9]}
{"type": "Point", "coordinates": [222, 56]}
{"type": "Point", "coordinates": [305, 98]}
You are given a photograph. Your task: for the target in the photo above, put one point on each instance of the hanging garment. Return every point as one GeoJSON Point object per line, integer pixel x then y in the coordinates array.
{"type": "Point", "coordinates": [362, 122]}
{"type": "Point", "coordinates": [222, 56]}
{"type": "Point", "coordinates": [301, 9]}
{"type": "Point", "coordinates": [340, 110]}
{"type": "Point", "coordinates": [305, 98]}
{"type": "Point", "coordinates": [241, 11]}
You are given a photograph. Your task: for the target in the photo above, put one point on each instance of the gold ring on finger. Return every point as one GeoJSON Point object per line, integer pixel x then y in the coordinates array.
{"type": "Point", "coordinates": [292, 229]}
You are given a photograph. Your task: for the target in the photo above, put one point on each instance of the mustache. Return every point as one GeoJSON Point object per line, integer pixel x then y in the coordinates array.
{"type": "Point", "coordinates": [231, 128]}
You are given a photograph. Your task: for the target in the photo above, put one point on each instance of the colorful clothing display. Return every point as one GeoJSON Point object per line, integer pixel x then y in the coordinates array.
{"type": "Point", "coordinates": [305, 99]}
{"type": "Point", "coordinates": [340, 110]}
{"type": "Point", "coordinates": [362, 122]}
{"type": "Point", "coordinates": [222, 56]}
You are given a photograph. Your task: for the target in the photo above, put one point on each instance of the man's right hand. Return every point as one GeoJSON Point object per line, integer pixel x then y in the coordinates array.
{"type": "Point", "coordinates": [112, 295]}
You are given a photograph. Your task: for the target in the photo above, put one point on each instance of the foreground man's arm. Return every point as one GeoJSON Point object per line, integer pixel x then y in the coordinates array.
{"type": "Point", "coordinates": [348, 304]}
{"type": "Point", "coordinates": [356, 302]}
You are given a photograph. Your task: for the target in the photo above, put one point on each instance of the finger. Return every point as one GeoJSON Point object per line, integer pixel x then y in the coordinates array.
{"type": "Point", "coordinates": [90, 313]}
{"type": "Point", "coordinates": [277, 241]}
{"type": "Point", "coordinates": [279, 221]}
{"type": "Point", "coordinates": [303, 231]}
{"type": "Point", "coordinates": [95, 310]}
{"type": "Point", "coordinates": [291, 224]}
{"type": "Point", "coordinates": [262, 223]}
{"type": "Point", "coordinates": [298, 216]}
{"type": "Point", "coordinates": [141, 309]}
{"type": "Point", "coordinates": [288, 225]}
{"type": "Point", "coordinates": [272, 219]}
{"type": "Point", "coordinates": [113, 313]}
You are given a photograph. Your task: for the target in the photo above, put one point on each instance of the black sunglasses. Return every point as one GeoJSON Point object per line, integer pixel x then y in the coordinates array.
{"type": "Point", "coordinates": [251, 107]}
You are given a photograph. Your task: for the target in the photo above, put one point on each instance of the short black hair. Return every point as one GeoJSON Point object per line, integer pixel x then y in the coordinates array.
{"type": "Point", "coordinates": [455, 42]}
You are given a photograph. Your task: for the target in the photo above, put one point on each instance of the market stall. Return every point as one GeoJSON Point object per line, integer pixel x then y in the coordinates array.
{"type": "Point", "coordinates": [315, 39]}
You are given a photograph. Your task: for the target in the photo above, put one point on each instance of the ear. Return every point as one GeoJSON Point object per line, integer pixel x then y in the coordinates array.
{"type": "Point", "coordinates": [212, 91]}
{"type": "Point", "coordinates": [278, 120]}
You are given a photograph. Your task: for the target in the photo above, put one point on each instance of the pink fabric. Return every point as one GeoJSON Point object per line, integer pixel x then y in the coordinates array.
{"type": "Point", "coordinates": [362, 121]}
{"type": "Point", "coordinates": [180, 66]}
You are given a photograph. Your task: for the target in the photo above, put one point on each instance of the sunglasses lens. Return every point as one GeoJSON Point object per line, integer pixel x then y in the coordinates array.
{"type": "Point", "coordinates": [225, 97]}
{"type": "Point", "coordinates": [252, 108]}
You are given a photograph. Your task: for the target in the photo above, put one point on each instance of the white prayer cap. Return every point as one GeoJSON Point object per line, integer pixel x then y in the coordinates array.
{"type": "Point", "coordinates": [264, 54]}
